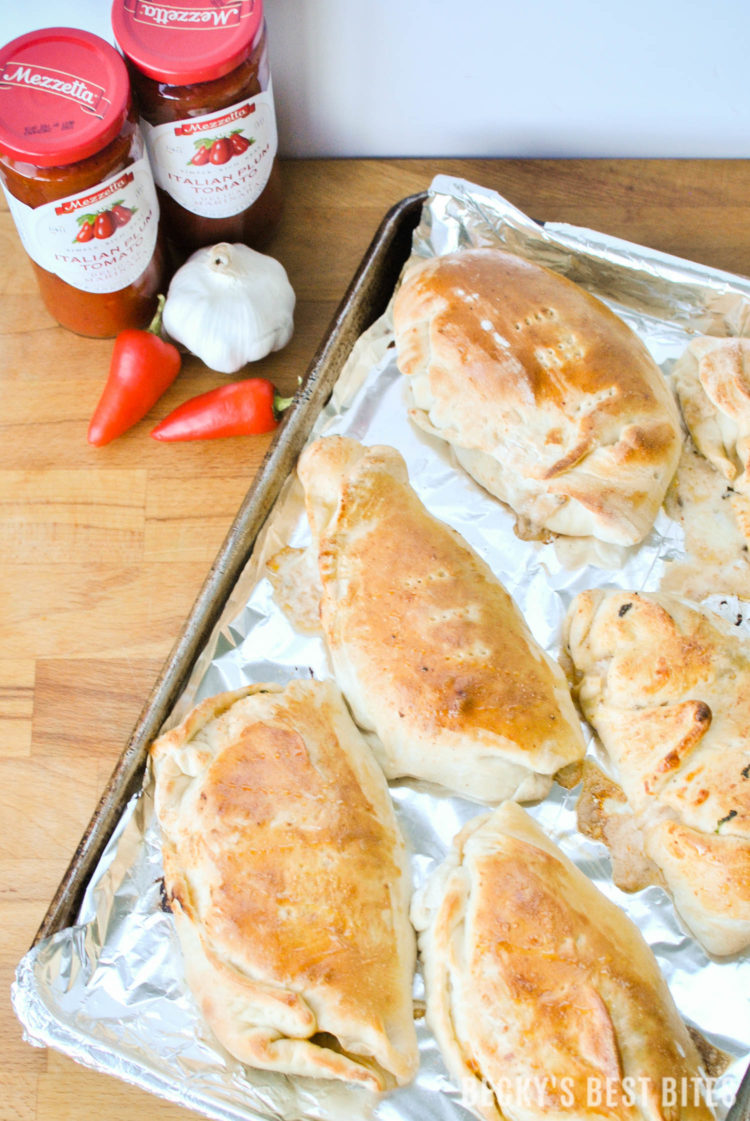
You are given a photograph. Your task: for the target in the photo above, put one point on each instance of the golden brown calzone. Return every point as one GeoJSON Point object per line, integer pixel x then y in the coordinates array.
{"type": "Point", "coordinates": [427, 646]}
{"type": "Point", "coordinates": [288, 881]}
{"type": "Point", "coordinates": [548, 399]}
{"type": "Point", "coordinates": [546, 1001]}
{"type": "Point", "coordinates": [666, 686]}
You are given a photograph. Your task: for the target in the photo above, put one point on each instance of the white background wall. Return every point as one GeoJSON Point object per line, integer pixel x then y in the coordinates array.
{"type": "Point", "coordinates": [491, 77]}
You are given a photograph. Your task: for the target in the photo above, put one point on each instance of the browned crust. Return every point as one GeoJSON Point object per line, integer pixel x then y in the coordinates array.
{"type": "Point", "coordinates": [522, 362]}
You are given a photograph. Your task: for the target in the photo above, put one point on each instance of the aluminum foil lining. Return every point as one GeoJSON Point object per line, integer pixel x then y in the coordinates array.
{"type": "Point", "coordinates": [109, 991]}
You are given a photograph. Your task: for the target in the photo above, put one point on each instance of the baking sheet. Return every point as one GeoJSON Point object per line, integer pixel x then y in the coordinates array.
{"type": "Point", "coordinates": [108, 989]}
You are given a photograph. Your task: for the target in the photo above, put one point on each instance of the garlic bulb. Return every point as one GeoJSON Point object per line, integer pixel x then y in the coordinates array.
{"type": "Point", "coordinates": [230, 305]}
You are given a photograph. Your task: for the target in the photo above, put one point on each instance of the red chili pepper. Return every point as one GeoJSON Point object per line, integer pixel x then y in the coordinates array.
{"type": "Point", "coordinates": [221, 151]}
{"type": "Point", "coordinates": [104, 226]}
{"type": "Point", "coordinates": [142, 368]}
{"type": "Point", "coordinates": [239, 408]}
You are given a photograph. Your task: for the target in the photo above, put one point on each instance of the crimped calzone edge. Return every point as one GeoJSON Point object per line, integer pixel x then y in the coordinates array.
{"type": "Point", "coordinates": [288, 880]}
{"type": "Point", "coordinates": [545, 1000]}
{"type": "Point", "coordinates": [712, 382]}
{"type": "Point", "coordinates": [665, 684]}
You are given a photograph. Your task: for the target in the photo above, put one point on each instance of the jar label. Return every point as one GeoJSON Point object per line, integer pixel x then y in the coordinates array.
{"type": "Point", "coordinates": [216, 165]}
{"type": "Point", "coordinates": [99, 240]}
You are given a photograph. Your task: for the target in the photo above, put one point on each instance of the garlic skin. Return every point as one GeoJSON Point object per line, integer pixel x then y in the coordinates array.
{"type": "Point", "coordinates": [230, 305]}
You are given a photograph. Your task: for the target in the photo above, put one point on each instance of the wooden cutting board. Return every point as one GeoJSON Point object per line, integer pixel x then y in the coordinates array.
{"type": "Point", "coordinates": [102, 551]}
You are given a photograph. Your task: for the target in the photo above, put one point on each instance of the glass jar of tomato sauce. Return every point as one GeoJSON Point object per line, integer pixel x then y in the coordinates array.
{"type": "Point", "coordinates": [200, 78]}
{"type": "Point", "coordinates": [76, 176]}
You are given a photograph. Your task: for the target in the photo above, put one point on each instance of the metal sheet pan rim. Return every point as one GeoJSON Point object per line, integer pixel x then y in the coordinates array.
{"type": "Point", "coordinates": [346, 324]}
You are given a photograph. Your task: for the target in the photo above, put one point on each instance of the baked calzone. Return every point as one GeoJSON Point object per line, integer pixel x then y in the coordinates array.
{"type": "Point", "coordinates": [287, 877]}
{"type": "Point", "coordinates": [545, 1000]}
{"type": "Point", "coordinates": [547, 397]}
{"type": "Point", "coordinates": [427, 646]}
{"type": "Point", "coordinates": [666, 686]}
{"type": "Point", "coordinates": [712, 382]}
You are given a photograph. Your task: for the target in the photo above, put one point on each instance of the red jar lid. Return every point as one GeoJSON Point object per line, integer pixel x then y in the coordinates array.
{"type": "Point", "coordinates": [184, 41]}
{"type": "Point", "coordinates": [64, 95]}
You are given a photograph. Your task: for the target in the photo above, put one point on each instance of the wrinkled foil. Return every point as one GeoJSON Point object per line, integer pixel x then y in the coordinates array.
{"type": "Point", "coordinates": [110, 992]}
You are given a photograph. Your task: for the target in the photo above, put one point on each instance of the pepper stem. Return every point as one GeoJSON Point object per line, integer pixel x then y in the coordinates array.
{"type": "Point", "coordinates": [154, 326]}
{"type": "Point", "coordinates": [280, 404]}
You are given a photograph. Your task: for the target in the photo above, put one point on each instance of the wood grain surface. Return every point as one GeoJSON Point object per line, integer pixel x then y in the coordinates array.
{"type": "Point", "coordinates": [103, 550]}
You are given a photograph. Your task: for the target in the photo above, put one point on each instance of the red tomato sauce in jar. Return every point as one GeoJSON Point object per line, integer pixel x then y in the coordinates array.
{"type": "Point", "coordinates": [74, 171]}
{"type": "Point", "coordinates": [200, 78]}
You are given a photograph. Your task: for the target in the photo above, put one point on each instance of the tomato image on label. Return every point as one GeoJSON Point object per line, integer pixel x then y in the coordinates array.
{"type": "Point", "coordinates": [104, 223]}
{"type": "Point", "coordinates": [86, 231]}
{"type": "Point", "coordinates": [239, 142]}
{"type": "Point", "coordinates": [219, 149]}
{"type": "Point", "coordinates": [121, 213]}
{"type": "Point", "coordinates": [201, 156]}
